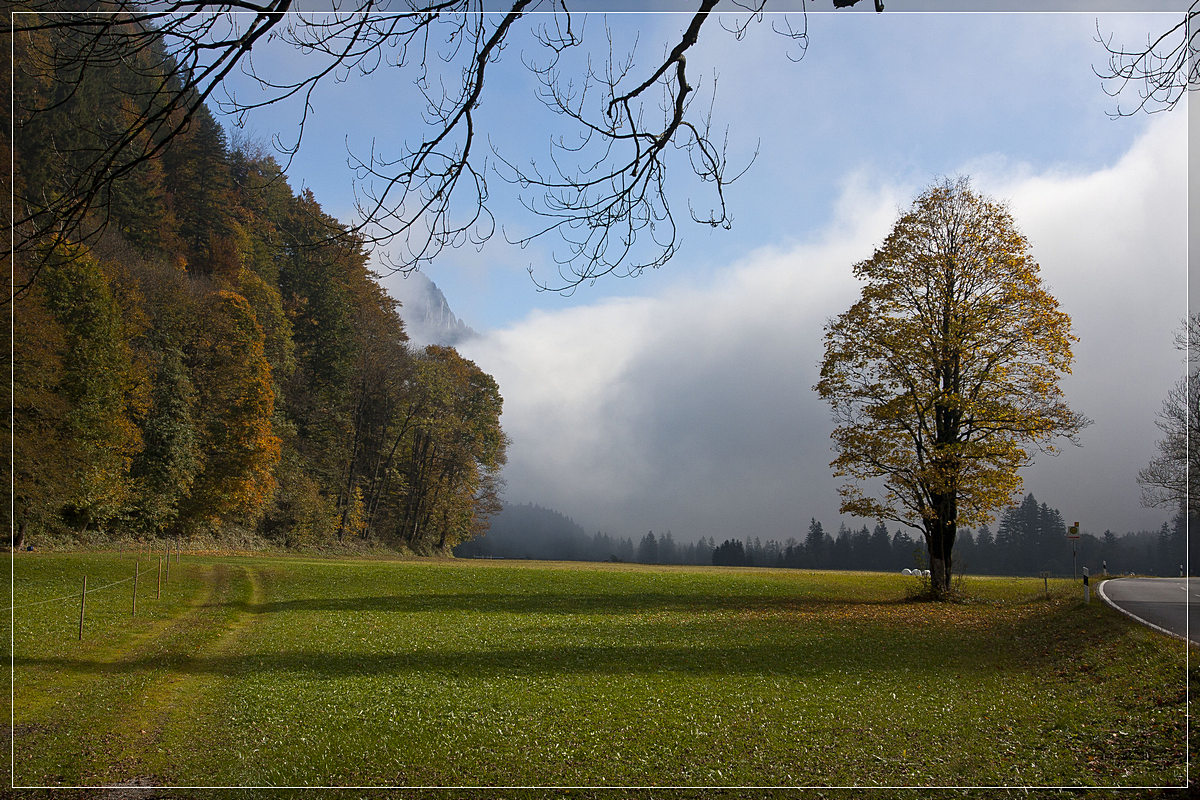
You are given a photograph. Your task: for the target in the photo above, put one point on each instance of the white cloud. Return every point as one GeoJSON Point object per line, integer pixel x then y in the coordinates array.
{"type": "Point", "coordinates": [692, 410]}
{"type": "Point", "coordinates": [1113, 249]}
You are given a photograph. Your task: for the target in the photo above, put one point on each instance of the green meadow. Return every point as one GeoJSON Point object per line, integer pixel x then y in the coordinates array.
{"type": "Point", "coordinates": [286, 671]}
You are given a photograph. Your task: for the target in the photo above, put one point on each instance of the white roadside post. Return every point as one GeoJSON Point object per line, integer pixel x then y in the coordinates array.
{"type": "Point", "coordinates": [1087, 590]}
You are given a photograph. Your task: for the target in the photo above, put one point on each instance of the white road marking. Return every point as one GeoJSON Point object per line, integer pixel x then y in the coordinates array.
{"type": "Point", "coordinates": [1104, 596]}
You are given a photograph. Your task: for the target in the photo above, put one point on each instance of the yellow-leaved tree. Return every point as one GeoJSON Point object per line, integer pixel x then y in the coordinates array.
{"type": "Point", "coordinates": [234, 406]}
{"type": "Point", "coordinates": [943, 377]}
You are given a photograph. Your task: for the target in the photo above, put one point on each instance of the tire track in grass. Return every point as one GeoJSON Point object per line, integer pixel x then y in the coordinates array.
{"type": "Point", "coordinates": [101, 648]}
{"type": "Point", "coordinates": [131, 695]}
{"type": "Point", "coordinates": [112, 754]}
{"type": "Point", "coordinates": [169, 719]}
{"type": "Point", "coordinates": [71, 699]}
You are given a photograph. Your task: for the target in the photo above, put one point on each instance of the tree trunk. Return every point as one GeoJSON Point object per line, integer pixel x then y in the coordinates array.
{"type": "Point", "coordinates": [940, 541]}
{"type": "Point", "coordinates": [346, 490]}
{"type": "Point", "coordinates": [939, 576]}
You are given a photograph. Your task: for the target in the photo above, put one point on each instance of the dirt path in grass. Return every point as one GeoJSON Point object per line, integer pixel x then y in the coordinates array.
{"type": "Point", "coordinates": [75, 703]}
{"type": "Point", "coordinates": [143, 744]}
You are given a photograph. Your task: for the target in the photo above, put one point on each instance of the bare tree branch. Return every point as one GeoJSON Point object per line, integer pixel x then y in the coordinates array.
{"type": "Point", "coordinates": [1162, 71]}
{"type": "Point", "coordinates": [1172, 478]}
{"type": "Point", "coordinates": [603, 192]}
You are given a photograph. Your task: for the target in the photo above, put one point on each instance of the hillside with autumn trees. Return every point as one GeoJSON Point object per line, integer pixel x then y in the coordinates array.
{"type": "Point", "coordinates": [209, 354]}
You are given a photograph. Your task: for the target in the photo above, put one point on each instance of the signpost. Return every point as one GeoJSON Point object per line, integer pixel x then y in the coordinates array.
{"type": "Point", "coordinates": [1073, 535]}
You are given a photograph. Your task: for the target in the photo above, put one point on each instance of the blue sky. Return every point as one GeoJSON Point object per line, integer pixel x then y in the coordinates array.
{"type": "Point", "coordinates": [681, 399]}
{"type": "Point", "coordinates": [912, 95]}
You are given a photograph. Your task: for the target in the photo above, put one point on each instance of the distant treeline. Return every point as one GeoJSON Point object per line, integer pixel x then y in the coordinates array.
{"type": "Point", "coordinates": [212, 355]}
{"type": "Point", "coordinates": [533, 532]}
{"type": "Point", "coordinates": [1030, 538]}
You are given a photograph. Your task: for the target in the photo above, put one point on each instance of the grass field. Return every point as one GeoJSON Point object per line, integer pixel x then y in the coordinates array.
{"type": "Point", "coordinates": [302, 672]}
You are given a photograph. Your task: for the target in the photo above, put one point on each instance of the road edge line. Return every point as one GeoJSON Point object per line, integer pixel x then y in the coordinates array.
{"type": "Point", "coordinates": [1104, 596]}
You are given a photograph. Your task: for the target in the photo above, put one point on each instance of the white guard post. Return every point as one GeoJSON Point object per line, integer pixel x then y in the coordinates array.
{"type": "Point", "coordinates": [1087, 590]}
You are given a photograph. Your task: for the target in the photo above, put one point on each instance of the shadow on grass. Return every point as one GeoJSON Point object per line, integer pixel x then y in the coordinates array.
{"type": "Point", "coordinates": [762, 659]}
{"type": "Point", "coordinates": [552, 603]}
{"type": "Point", "coordinates": [1030, 642]}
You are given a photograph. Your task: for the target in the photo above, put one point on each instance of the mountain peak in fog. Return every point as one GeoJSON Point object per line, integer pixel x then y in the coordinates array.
{"type": "Point", "coordinates": [426, 313]}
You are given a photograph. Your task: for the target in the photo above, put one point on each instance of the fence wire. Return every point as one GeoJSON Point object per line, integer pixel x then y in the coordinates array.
{"type": "Point", "coordinates": [67, 596]}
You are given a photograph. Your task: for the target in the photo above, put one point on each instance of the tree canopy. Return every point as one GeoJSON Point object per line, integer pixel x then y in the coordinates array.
{"type": "Point", "coordinates": [943, 377]}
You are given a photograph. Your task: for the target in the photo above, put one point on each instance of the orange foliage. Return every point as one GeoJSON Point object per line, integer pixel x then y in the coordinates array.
{"type": "Point", "coordinates": [236, 404]}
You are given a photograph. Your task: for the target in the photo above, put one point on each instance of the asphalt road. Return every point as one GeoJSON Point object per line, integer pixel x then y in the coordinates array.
{"type": "Point", "coordinates": [1162, 603]}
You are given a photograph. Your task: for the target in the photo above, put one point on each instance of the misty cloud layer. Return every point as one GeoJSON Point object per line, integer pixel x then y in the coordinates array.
{"type": "Point", "coordinates": [692, 410]}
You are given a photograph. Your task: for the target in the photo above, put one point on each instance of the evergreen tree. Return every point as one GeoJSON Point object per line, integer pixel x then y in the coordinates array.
{"type": "Point", "coordinates": [1018, 536]}
{"type": "Point", "coordinates": [648, 549]}
{"type": "Point", "coordinates": [965, 552]}
{"type": "Point", "coordinates": [905, 550]}
{"type": "Point", "coordinates": [105, 392]}
{"type": "Point", "coordinates": [668, 551]}
{"type": "Point", "coordinates": [199, 186]}
{"type": "Point", "coordinates": [985, 551]}
{"type": "Point", "coordinates": [1051, 549]}
{"type": "Point", "coordinates": [730, 553]}
{"type": "Point", "coordinates": [839, 553]}
{"type": "Point", "coordinates": [1109, 548]}
{"type": "Point", "coordinates": [814, 546]}
{"type": "Point", "coordinates": [164, 470]}
{"type": "Point", "coordinates": [879, 555]}
{"type": "Point", "coordinates": [860, 549]}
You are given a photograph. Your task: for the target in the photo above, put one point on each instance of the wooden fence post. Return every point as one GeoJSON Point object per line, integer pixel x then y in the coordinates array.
{"type": "Point", "coordinates": [135, 582]}
{"type": "Point", "coordinates": [82, 603]}
{"type": "Point", "coordinates": [158, 593]}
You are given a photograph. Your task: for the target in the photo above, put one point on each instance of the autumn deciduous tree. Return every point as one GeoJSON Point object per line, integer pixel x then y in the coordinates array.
{"type": "Point", "coordinates": [234, 407]}
{"type": "Point", "coordinates": [943, 377]}
{"type": "Point", "coordinates": [40, 465]}
{"type": "Point", "coordinates": [456, 449]}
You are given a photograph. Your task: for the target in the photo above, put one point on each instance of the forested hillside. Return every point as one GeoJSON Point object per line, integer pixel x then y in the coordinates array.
{"type": "Point", "coordinates": [209, 352]}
